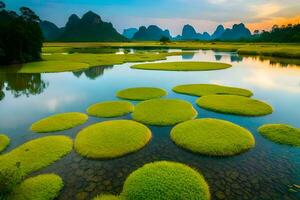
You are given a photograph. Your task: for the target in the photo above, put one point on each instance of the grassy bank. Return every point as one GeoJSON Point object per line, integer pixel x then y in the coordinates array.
{"type": "Point", "coordinates": [264, 49]}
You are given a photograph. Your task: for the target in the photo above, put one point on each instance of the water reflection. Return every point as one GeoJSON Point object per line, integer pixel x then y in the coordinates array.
{"type": "Point", "coordinates": [236, 58]}
{"type": "Point", "coordinates": [218, 57]}
{"type": "Point", "coordinates": [273, 61]}
{"type": "Point", "coordinates": [93, 73]}
{"type": "Point", "coordinates": [188, 55]}
{"type": "Point", "coordinates": [21, 84]}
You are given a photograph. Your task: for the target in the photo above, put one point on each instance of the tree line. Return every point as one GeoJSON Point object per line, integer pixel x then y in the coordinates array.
{"type": "Point", "coordinates": [21, 38]}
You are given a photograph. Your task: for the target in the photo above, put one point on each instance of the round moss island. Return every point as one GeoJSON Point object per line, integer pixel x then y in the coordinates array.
{"type": "Point", "coordinates": [182, 66]}
{"type": "Point", "coordinates": [112, 139]}
{"type": "Point", "coordinates": [59, 122]}
{"type": "Point", "coordinates": [106, 197]}
{"type": "Point", "coordinates": [164, 112]}
{"type": "Point", "coordinates": [37, 153]}
{"type": "Point", "coordinates": [4, 142]}
{"type": "Point", "coordinates": [212, 137]}
{"type": "Point", "coordinates": [165, 180]}
{"type": "Point", "coordinates": [141, 94]}
{"type": "Point", "coordinates": [41, 187]}
{"type": "Point", "coordinates": [110, 109]}
{"type": "Point", "coordinates": [210, 89]}
{"type": "Point", "coordinates": [281, 133]}
{"type": "Point", "coordinates": [236, 105]}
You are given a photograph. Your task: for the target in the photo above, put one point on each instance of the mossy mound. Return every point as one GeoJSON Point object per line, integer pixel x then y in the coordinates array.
{"type": "Point", "coordinates": [142, 93]}
{"type": "Point", "coordinates": [164, 112]}
{"type": "Point", "coordinates": [112, 139]}
{"type": "Point", "coordinates": [37, 153]}
{"type": "Point", "coordinates": [110, 109]}
{"type": "Point", "coordinates": [41, 187]}
{"type": "Point", "coordinates": [4, 142]}
{"type": "Point", "coordinates": [164, 181]}
{"type": "Point", "coordinates": [209, 89]}
{"type": "Point", "coordinates": [281, 133]}
{"type": "Point", "coordinates": [59, 122]}
{"type": "Point", "coordinates": [106, 197]}
{"type": "Point", "coordinates": [212, 137]}
{"type": "Point", "coordinates": [236, 105]}
{"type": "Point", "coordinates": [182, 66]}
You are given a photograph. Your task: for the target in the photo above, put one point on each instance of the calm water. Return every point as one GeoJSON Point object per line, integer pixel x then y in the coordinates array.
{"type": "Point", "coordinates": [266, 172]}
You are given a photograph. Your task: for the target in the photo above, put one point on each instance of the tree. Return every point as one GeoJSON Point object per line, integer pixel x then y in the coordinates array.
{"type": "Point", "coordinates": [21, 38]}
{"type": "Point", "coordinates": [164, 39]}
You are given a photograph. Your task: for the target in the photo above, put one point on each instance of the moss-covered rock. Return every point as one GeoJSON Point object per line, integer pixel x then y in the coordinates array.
{"type": "Point", "coordinates": [212, 137]}
{"type": "Point", "coordinates": [281, 133]}
{"type": "Point", "coordinates": [142, 93]}
{"type": "Point", "coordinates": [41, 187]}
{"type": "Point", "coordinates": [182, 66]}
{"type": "Point", "coordinates": [164, 112]}
{"type": "Point", "coordinates": [37, 153]}
{"type": "Point", "coordinates": [4, 142]}
{"type": "Point", "coordinates": [59, 122]}
{"type": "Point", "coordinates": [110, 109]}
{"type": "Point", "coordinates": [236, 105]}
{"type": "Point", "coordinates": [209, 89]}
{"type": "Point", "coordinates": [112, 139]}
{"type": "Point", "coordinates": [165, 181]}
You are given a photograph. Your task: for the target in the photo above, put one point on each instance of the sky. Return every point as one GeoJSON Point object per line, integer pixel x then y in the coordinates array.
{"type": "Point", "coordinates": [204, 15]}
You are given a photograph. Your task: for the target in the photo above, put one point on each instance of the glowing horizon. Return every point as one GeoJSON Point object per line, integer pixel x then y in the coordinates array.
{"type": "Point", "coordinates": [170, 14]}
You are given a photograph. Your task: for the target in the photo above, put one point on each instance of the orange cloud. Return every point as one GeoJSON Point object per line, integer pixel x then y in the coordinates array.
{"type": "Point", "coordinates": [267, 24]}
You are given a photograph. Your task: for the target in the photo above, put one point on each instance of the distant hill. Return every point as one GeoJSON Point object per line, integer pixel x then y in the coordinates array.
{"type": "Point", "coordinates": [89, 28]}
{"type": "Point", "coordinates": [189, 33]}
{"type": "Point", "coordinates": [152, 33]}
{"type": "Point", "coordinates": [129, 33]}
{"type": "Point", "coordinates": [50, 31]}
{"type": "Point", "coordinates": [218, 32]}
{"type": "Point", "coordinates": [238, 31]}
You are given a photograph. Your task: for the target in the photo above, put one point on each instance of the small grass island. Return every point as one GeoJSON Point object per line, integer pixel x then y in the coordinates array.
{"type": "Point", "coordinates": [112, 139]}
{"type": "Point", "coordinates": [182, 66]}
{"type": "Point", "coordinates": [281, 133]}
{"type": "Point", "coordinates": [212, 137]}
{"type": "Point", "coordinates": [4, 142]}
{"type": "Point", "coordinates": [141, 93]}
{"type": "Point", "coordinates": [110, 109]}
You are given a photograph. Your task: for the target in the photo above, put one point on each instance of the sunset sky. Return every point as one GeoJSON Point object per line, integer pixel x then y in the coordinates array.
{"type": "Point", "coordinates": [204, 15]}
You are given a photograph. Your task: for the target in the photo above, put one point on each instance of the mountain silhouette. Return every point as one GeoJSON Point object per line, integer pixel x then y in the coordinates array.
{"type": "Point", "coordinates": [238, 31]}
{"type": "Point", "coordinates": [152, 33]}
{"type": "Point", "coordinates": [218, 32]}
{"type": "Point", "coordinates": [129, 33]}
{"type": "Point", "coordinates": [90, 28]}
{"type": "Point", "coordinates": [50, 30]}
{"type": "Point", "coordinates": [189, 33]}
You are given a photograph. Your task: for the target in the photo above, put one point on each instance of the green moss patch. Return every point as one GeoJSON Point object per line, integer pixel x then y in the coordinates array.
{"type": "Point", "coordinates": [209, 89]}
{"type": "Point", "coordinates": [106, 197]}
{"type": "Point", "coordinates": [212, 137]}
{"type": "Point", "coordinates": [110, 109]}
{"type": "Point", "coordinates": [37, 153]}
{"type": "Point", "coordinates": [112, 139]}
{"type": "Point", "coordinates": [142, 93]}
{"type": "Point", "coordinates": [236, 105]}
{"type": "Point", "coordinates": [4, 142]}
{"type": "Point", "coordinates": [281, 133]}
{"type": "Point", "coordinates": [59, 122]}
{"type": "Point", "coordinates": [164, 181]}
{"type": "Point", "coordinates": [182, 66]}
{"type": "Point", "coordinates": [164, 112]}
{"type": "Point", "coordinates": [41, 187]}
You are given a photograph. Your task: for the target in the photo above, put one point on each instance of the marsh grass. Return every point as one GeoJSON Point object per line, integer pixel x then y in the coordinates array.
{"type": "Point", "coordinates": [164, 112]}
{"type": "Point", "coordinates": [209, 89]}
{"type": "Point", "coordinates": [212, 137]}
{"type": "Point", "coordinates": [4, 142]}
{"type": "Point", "coordinates": [59, 122]}
{"type": "Point", "coordinates": [237, 105]}
{"type": "Point", "coordinates": [281, 133]}
{"type": "Point", "coordinates": [142, 93]}
{"type": "Point", "coordinates": [110, 109]}
{"type": "Point", "coordinates": [112, 139]}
